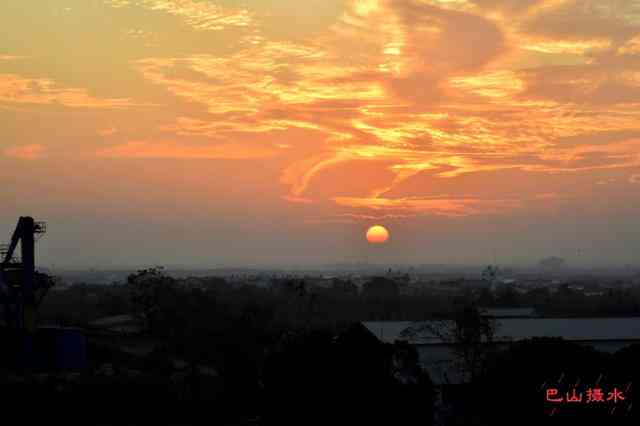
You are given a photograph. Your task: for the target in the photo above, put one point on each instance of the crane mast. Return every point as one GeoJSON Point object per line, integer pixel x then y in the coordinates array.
{"type": "Point", "coordinates": [19, 281]}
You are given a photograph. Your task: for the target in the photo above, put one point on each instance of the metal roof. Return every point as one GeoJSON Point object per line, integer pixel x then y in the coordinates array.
{"type": "Point", "coordinates": [509, 312]}
{"type": "Point", "coordinates": [577, 329]}
{"type": "Point", "coordinates": [115, 320]}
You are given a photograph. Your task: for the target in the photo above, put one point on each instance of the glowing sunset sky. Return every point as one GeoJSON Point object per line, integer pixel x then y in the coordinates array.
{"type": "Point", "coordinates": [276, 131]}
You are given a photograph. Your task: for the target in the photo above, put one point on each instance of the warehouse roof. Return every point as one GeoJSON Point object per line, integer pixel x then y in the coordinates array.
{"type": "Point", "coordinates": [509, 329]}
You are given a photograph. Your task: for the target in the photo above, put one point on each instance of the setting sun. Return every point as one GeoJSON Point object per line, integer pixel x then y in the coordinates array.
{"type": "Point", "coordinates": [377, 234]}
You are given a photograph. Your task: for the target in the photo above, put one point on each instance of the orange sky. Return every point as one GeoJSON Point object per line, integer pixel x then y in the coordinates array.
{"type": "Point", "coordinates": [276, 131]}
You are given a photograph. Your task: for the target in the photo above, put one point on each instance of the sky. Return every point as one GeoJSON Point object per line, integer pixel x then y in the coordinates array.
{"type": "Point", "coordinates": [275, 132]}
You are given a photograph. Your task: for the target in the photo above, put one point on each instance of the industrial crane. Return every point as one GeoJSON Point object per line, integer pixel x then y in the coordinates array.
{"type": "Point", "coordinates": [21, 287]}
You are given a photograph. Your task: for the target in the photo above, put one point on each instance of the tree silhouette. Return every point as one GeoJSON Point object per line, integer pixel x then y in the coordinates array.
{"type": "Point", "coordinates": [149, 289]}
{"type": "Point", "coordinates": [469, 334]}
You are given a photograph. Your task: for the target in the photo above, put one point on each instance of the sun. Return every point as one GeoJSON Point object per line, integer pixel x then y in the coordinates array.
{"type": "Point", "coordinates": [377, 234]}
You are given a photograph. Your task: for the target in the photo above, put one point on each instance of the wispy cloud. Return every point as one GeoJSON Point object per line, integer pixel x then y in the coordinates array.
{"type": "Point", "coordinates": [108, 131]}
{"type": "Point", "coordinates": [43, 91]}
{"type": "Point", "coordinates": [10, 57]}
{"type": "Point", "coordinates": [419, 96]}
{"type": "Point", "coordinates": [200, 15]}
{"type": "Point", "coordinates": [26, 152]}
{"type": "Point", "coordinates": [176, 150]}
{"type": "Point", "coordinates": [442, 206]}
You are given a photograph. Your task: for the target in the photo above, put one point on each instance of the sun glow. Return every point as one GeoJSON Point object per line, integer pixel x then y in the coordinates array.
{"type": "Point", "coordinates": [377, 234]}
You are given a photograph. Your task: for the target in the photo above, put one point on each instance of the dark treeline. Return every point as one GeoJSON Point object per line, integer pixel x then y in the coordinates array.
{"type": "Point", "coordinates": [292, 303]}
{"type": "Point", "coordinates": [281, 308]}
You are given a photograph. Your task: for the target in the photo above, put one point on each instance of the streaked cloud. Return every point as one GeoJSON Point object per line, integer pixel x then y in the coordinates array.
{"type": "Point", "coordinates": [26, 152]}
{"type": "Point", "coordinates": [442, 206]}
{"type": "Point", "coordinates": [419, 95]}
{"type": "Point", "coordinates": [576, 47]}
{"type": "Point", "coordinates": [176, 150]}
{"type": "Point", "coordinates": [43, 91]}
{"type": "Point", "coordinates": [10, 57]}
{"type": "Point", "coordinates": [200, 15]}
{"type": "Point", "coordinates": [108, 131]}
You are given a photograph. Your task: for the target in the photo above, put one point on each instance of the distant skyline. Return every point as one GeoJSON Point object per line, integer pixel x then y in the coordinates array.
{"type": "Point", "coordinates": [275, 132]}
